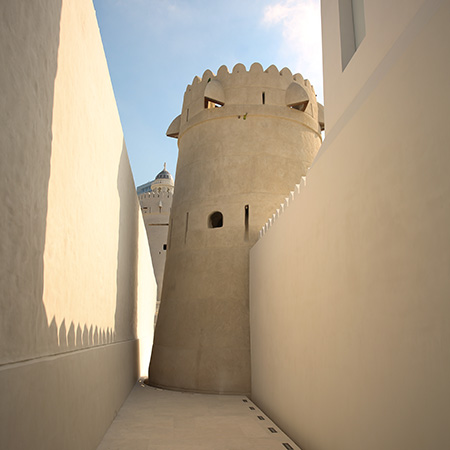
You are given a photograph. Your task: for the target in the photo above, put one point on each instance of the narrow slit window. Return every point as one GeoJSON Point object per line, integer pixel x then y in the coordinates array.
{"type": "Point", "coordinates": [246, 220]}
{"type": "Point", "coordinates": [215, 220]}
{"type": "Point", "coordinates": [187, 226]}
{"type": "Point", "coordinates": [352, 28]}
{"type": "Point", "coordinates": [263, 98]}
{"type": "Point", "coordinates": [187, 114]}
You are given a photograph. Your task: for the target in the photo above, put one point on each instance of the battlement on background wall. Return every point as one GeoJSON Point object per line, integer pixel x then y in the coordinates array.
{"type": "Point", "coordinates": [163, 194]}
{"type": "Point", "coordinates": [287, 202]}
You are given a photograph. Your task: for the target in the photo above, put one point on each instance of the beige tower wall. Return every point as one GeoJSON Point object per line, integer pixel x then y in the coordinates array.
{"type": "Point", "coordinates": [72, 242]}
{"type": "Point", "coordinates": [244, 153]}
{"type": "Point", "coordinates": [350, 288]}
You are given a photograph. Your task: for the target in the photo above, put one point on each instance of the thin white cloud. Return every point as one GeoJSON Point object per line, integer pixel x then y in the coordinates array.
{"type": "Point", "coordinates": [299, 22]}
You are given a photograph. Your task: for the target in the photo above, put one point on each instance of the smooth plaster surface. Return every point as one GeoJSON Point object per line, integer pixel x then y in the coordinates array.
{"type": "Point", "coordinates": [349, 288]}
{"type": "Point", "coordinates": [384, 22]}
{"type": "Point", "coordinates": [75, 266]}
{"type": "Point", "coordinates": [250, 151]}
{"type": "Point", "coordinates": [66, 401]}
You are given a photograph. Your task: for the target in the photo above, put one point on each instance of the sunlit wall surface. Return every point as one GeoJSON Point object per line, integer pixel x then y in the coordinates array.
{"type": "Point", "coordinates": [350, 288]}
{"type": "Point", "coordinates": [75, 265]}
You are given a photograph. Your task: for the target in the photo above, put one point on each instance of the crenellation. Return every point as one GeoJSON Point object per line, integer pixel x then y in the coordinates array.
{"type": "Point", "coordinates": [239, 68]}
{"type": "Point", "coordinates": [256, 68]}
{"type": "Point", "coordinates": [285, 72]}
{"type": "Point", "coordinates": [207, 75]}
{"type": "Point", "coordinates": [299, 78]}
{"type": "Point", "coordinates": [223, 71]}
{"type": "Point", "coordinates": [283, 206]}
{"type": "Point", "coordinates": [257, 87]}
{"type": "Point", "coordinates": [272, 70]}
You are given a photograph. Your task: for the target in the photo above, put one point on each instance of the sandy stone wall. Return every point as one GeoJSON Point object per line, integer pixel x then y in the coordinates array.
{"type": "Point", "coordinates": [349, 288]}
{"type": "Point", "coordinates": [238, 160]}
{"type": "Point", "coordinates": [72, 240]}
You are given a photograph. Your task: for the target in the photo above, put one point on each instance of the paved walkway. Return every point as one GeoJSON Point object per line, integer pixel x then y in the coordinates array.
{"type": "Point", "coordinates": [155, 419]}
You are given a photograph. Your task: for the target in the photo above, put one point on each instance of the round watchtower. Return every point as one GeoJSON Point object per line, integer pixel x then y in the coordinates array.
{"type": "Point", "coordinates": [245, 139]}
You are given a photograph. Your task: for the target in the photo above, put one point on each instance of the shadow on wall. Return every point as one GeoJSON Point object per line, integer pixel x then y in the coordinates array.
{"type": "Point", "coordinates": [77, 336]}
{"type": "Point", "coordinates": [72, 336]}
{"type": "Point", "coordinates": [53, 402]}
{"type": "Point", "coordinates": [29, 43]}
{"type": "Point", "coordinates": [127, 253]}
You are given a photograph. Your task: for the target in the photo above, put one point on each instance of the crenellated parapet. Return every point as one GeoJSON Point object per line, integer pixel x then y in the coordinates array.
{"type": "Point", "coordinates": [283, 207]}
{"type": "Point", "coordinates": [243, 92]}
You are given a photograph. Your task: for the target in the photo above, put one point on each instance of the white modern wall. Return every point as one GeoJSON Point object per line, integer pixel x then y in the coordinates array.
{"type": "Point", "coordinates": [350, 288]}
{"type": "Point", "coordinates": [75, 265]}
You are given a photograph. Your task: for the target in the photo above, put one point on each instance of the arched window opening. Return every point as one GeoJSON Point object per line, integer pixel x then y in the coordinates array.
{"type": "Point", "coordinates": [215, 220]}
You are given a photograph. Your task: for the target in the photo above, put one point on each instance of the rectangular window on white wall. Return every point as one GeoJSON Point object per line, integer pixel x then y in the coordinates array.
{"type": "Point", "coordinates": [352, 26]}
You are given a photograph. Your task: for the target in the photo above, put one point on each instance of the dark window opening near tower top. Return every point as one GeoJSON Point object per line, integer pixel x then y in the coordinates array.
{"type": "Point", "coordinates": [215, 220]}
{"type": "Point", "coordinates": [210, 103]}
{"type": "Point", "coordinates": [263, 98]}
{"type": "Point", "coordinates": [164, 246]}
{"type": "Point", "coordinates": [300, 106]}
{"type": "Point", "coordinates": [352, 28]}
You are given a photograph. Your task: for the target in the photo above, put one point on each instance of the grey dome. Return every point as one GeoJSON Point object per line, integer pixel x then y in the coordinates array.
{"type": "Point", "coordinates": [164, 174]}
{"type": "Point", "coordinates": [163, 178]}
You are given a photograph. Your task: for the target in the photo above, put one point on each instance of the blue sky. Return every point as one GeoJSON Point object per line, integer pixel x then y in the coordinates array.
{"type": "Point", "coordinates": [155, 48]}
